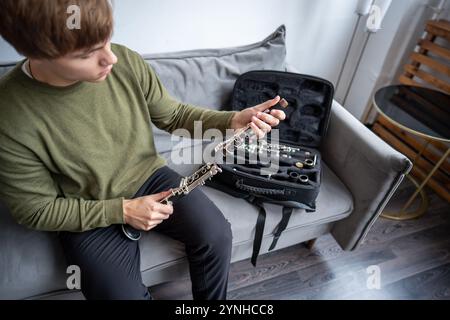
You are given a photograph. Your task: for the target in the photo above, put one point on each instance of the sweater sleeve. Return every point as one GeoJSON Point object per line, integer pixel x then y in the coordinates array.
{"type": "Point", "coordinates": [169, 114]}
{"type": "Point", "coordinates": [30, 193]}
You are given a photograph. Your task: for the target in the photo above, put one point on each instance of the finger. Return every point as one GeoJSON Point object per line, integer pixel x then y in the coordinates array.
{"type": "Point", "coordinates": [261, 124]}
{"type": "Point", "coordinates": [268, 104]}
{"type": "Point", "coordinates": [160, 216]}
{"type": "Point", "coordinates": [140, 226]}
{"type": "Point", "coordinates": [152, 224]}
{"type": "Point", "coordinates": [257, 131]}
{"type": "Point", "coordinates": [167, 209]}
{"type": "Point", "coordinates": [145, 225]}
{"type": "Point", "coordinates": [161, 195]}
{"type": "Point", "coordinates": [269, 119]}
{"type": "Point", "coordinates": [163, 208]}
{"type": "Point", "coordinates": [279, 114]}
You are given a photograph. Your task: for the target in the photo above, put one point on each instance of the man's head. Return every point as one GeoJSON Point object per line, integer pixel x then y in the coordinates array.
{"type": "Point", "coordinates": [43, 31]}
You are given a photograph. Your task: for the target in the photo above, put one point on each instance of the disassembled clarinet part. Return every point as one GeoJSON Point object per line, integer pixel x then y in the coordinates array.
{"type": "Point", "coordinates": [236, 140]}
{"type": "Point", "coordinates": [187, 184]}
{"type": "Point", "coordinates": [283, 103]}
{"type": "Point", "coordinates": [198, 178]}
{"type": "Point", "coordinates": [293, 176]}
{"type": "Point", "coordinates": [311, 163]}
{"type": "Point", "coordinates": [296, 177]}
{"type": "Point", "coordinates": [279, 147]}
{"type": "Point", "coordinates": [303, 179]}
{"type": "Point", "coordinates": [241, 134]}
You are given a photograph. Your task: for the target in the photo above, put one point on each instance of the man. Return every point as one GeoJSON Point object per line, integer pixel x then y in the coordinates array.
{"type": "Point", "coordinates": [77, 154]}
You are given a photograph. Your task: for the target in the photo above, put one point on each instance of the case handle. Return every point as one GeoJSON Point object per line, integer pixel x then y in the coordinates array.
{"type": "Point", "coordinates": [257, 190]}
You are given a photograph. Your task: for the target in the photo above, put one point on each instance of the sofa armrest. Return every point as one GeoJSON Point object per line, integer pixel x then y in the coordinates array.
{"type": "Point", "coordinates": [370, 168]}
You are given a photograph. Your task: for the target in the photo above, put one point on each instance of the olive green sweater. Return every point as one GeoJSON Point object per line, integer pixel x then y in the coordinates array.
{"type": "Point", "coordinates": [69, 156]}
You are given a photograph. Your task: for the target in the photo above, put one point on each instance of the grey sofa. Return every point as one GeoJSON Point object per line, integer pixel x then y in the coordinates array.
{"type": "Point", "coordinates": [360, 174]}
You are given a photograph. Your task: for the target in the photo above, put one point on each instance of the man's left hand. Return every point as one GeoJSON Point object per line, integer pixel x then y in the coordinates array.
{"type": "Point", "coordinates": [261, 121]}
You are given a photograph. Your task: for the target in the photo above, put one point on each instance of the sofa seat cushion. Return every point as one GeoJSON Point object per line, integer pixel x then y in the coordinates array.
{"type": "Point", "coordinates": [31, 262]}
{"type": "Point", "coordinates": [333, 203]}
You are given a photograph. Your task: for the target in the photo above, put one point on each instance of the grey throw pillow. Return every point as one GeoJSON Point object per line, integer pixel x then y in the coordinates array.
{"type": "Point", "coordinates": [206, 77]}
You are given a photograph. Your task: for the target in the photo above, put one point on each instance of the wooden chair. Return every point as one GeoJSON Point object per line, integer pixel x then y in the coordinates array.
{"type": "Point", "coordinates": [429, 66]}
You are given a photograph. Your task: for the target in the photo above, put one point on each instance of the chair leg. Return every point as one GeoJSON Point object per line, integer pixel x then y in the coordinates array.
{"type": "Point", "coordinates": [310, 243]}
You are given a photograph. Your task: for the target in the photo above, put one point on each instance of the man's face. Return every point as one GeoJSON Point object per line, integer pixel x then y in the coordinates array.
{"type": "Point", "coordinates": [90, 64]}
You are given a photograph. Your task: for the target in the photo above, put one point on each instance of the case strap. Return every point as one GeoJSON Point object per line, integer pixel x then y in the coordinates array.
{"type": "Point", "coordinates": [259, 232]}
{"type": "Point", "coordinates": [287, 211]}
{"type": "Point", "coordinates": [260, 223]}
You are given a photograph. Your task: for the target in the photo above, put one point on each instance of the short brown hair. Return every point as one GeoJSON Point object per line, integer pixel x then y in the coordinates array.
{"type": "Point", "coordinates": [38, 28]}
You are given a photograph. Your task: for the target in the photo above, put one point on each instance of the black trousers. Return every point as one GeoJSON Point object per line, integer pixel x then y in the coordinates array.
{"type": "Point", "coordinates": [110, 263]}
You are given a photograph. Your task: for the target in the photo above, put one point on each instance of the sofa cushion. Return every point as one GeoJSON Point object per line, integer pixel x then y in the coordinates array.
{"type": "Point", "coordinates": [206, 77]}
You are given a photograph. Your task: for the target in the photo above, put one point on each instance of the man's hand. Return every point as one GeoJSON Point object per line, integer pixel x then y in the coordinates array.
{"type": "Point", "coordinates": [260, 120]}
{"type": "Point", "coordinates": [145, 213]}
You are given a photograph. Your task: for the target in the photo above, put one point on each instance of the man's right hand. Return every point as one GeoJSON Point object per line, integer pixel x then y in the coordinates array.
{"type": "Point", "coordinates": [145, 213]}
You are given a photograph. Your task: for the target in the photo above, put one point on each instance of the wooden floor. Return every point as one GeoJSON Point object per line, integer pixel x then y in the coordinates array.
{"type": "Point", "coordinates": [413, 258]}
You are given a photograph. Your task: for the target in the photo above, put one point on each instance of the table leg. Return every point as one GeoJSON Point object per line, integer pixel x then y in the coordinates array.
{"type": "Point", "coordinates": [436, 167]}
{"type": "Point", "coordinates": [422, 150]}
{"type": "Point", "coordinates": [402, 215]}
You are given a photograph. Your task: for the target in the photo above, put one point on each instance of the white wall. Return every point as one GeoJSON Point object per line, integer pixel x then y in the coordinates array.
{"type": "Point", "coordinates": [316, 30]}
{"type": "Point", "coordinates": [318, 33]}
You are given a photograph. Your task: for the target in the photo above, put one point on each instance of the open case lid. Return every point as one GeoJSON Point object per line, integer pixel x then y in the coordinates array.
{"type": "Point", "coordinates": [310, 99]}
